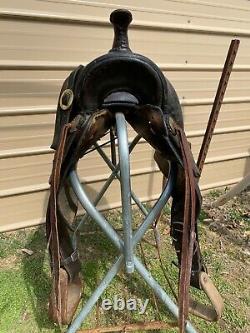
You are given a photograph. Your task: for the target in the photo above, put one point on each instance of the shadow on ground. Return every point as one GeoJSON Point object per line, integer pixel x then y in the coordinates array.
{"type": "Point", "coordinates": [37, 278]}
{"type": "Point", "coordinates": [97, 255]}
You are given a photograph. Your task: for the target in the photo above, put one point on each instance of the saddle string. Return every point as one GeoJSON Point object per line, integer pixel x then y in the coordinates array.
{"type": "Point", "coordinates": [53, 237]}
{"type": "Point", "coordinates": [100, 146]}
{"type": "Point", "coordinates": [157, 245]}
{"type": "Point", "coordinates": [74, 236]}
{"type": "Point", "coordinates": [153, 294]}
{"type": "Point", "coordinates": [188, 237]}
{"type": "Point", "coordinates": [164, 269]}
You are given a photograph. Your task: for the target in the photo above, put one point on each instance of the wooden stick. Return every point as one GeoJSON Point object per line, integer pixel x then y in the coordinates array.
{"type": "Point", "coordinates": [236, 190]}
{"type": "Point", "coordinates": [147, 326]}
{"type": "Point", "coordinates": [228, 66]}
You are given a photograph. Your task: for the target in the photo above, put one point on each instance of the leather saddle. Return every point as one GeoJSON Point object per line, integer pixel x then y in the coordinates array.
{"type": "Point", "coordinates": [90, 96]}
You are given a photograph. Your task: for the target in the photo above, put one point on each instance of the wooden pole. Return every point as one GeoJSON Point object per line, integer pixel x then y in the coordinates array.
{"type": "Point", "coordinates": [237, 189]}
{"type": "Point", "coordinates": [227, 69]}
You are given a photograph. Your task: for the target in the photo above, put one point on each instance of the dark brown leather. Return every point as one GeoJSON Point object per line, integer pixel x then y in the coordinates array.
{"type": "Point", "coordinates": [131, 83]}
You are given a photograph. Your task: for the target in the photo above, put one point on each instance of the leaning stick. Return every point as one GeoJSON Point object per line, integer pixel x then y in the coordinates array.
{"type": "Point", "coordinates": [236, 190]}
{"type": "Point", "coordinates": [147, 326]}
{"type": "Point", "coordinates": [227, 69]}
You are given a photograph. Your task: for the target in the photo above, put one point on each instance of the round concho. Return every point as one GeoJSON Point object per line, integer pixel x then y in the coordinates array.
{"type": "Point", "coordinates": [66, 99]}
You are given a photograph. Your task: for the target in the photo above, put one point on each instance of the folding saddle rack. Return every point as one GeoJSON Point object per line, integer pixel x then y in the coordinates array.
{"type": "Point", "coordinates": [112, 90]}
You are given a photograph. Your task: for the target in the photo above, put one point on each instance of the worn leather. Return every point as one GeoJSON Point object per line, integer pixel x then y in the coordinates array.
{"type": "Point", "coordinates": [131, 83]}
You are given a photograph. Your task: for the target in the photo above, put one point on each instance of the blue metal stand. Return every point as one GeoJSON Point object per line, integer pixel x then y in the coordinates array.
{"type": "Point", "coordinates": [127, 245]}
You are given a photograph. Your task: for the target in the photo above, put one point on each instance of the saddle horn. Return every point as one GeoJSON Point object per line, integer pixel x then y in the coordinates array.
{"type": "Point", "coordinates": [121, 19]}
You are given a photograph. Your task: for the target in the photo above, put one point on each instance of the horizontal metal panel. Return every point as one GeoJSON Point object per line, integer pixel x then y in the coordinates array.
{"type": "Point", "coordinates": [192, 85]}
{"type": "Point", "coordinates": [231, 115]}
{"type": "Point", "coordinates": [35, 170]}
{"type": "Point", "coordinates": [62, 42]}
{"type": "Point", "coordinates": [31, 65]}
{"type": "Point", "coordinates": [27, 174]}
{"type": "Point", "coordinates": [25, 171]}
{"type": "Point", "coordinates": [40, 91]}
{"type": "Point", "coordinates": [33, 151]}
{"type": "Point", "coordinates": [184, 15]}
{"type": "Point", "coordinates": [51, 109]}
{"type": "Point", "coordinates": [224, 171]}
{"type": "Point", "coordinates": [223, 145]}
{"type": "Point", "coordinates": [30, 131]}
{"type": "Point", "coordinates": [26, 131]}
{"type": "Point", "coordinates": [30, 88]}
{"type": "Point", "coordinates": [32, 110]}
{"type": "Point", "coordinates": [29, 209]}
{"type": "Point", "coordinates": [42, 41]}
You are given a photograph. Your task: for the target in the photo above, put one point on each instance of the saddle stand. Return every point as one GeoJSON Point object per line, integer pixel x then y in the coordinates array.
{"type": "Point", "coordinates": [127, 244]}
{"type": "Point", "coordinates": [117, 88]}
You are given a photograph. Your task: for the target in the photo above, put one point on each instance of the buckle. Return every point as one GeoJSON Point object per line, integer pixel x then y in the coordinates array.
{"type": "Point", "coordinates": [72, 258]}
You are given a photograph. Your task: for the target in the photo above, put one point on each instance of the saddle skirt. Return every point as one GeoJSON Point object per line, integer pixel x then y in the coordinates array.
{"type": "Point", "coordinates": [90, 96]}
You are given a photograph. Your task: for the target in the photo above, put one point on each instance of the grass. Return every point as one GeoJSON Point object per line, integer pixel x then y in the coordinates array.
{"type": "Point", "coordinates": [25, 279]}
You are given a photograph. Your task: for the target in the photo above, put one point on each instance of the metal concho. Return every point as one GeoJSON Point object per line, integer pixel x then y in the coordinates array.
{"type": "Point", "coordinates": [68, 97]}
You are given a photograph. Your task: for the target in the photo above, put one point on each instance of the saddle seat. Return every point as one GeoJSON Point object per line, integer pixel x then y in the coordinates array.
{"type": "Point", "coordinates": [120, 99]}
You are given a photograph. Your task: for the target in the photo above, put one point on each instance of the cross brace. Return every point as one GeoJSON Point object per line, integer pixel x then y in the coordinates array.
{"type": "Point", "coordinates": [127, 245]}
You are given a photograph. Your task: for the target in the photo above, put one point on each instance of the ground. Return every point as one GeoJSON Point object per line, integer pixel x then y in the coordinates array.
{"type": "Point", "coordinates": [225, 239]}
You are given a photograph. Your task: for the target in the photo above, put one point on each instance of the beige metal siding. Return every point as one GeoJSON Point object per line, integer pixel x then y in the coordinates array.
{"type": "Point", "coordinates": [42, 41]}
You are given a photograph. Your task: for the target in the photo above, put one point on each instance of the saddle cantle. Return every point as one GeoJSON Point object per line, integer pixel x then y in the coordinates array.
{"type": "Point", "coordinates": [89, 98]}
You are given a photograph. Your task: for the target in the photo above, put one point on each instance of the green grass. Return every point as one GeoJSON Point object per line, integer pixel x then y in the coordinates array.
{"type": "Point", "coordinates": [25, 279]}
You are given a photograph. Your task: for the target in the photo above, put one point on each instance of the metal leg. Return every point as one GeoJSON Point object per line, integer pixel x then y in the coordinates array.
{"type": "Point", "coordinates": [114, 174]}
{"type": "Point", "coordinates": [103, 223]}
{"type": "Point", "coordinates": [160, 293]}
{"type": "Point", "coordinates": [112, 167]}
{"type": "Point", "coordinates": [96, 295]}
{"type": "Point", "coordinates": [93, 212]}
{"type": "Point", "coordinates": [127, 245]}
{"type": "Point", "coordinates": [125, 190]}
{"type": "Point", "coordinates": [113, 149]}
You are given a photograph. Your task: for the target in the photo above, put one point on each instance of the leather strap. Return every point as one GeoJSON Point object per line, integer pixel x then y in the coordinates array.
{"type": "Point", "coordinates": [186, 304]}
{"type": "Point", "coordinates": [54, 238]}
{"type": "Point", "coordinates": [189, 236]}
{"type": "Point", "coordinates": [212, 312]}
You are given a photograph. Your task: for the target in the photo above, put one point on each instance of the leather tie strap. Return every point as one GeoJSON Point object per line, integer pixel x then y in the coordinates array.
{"type": "Point", "coordinates": [212, 312]}
{"type": "Point", "coordinates": [54, 238]}
{"type": "Point", "coordinates": [189, 236]}
{"type": "Point", "coordinates": [186, 304]}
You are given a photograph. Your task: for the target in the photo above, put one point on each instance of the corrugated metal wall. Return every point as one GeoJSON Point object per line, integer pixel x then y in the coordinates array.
{"type": "Point", "coordinates": [41, 41]}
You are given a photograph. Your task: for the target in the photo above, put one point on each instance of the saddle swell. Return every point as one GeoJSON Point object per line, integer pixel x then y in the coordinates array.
{"type": "Point", "coordinates": [86, 110]}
